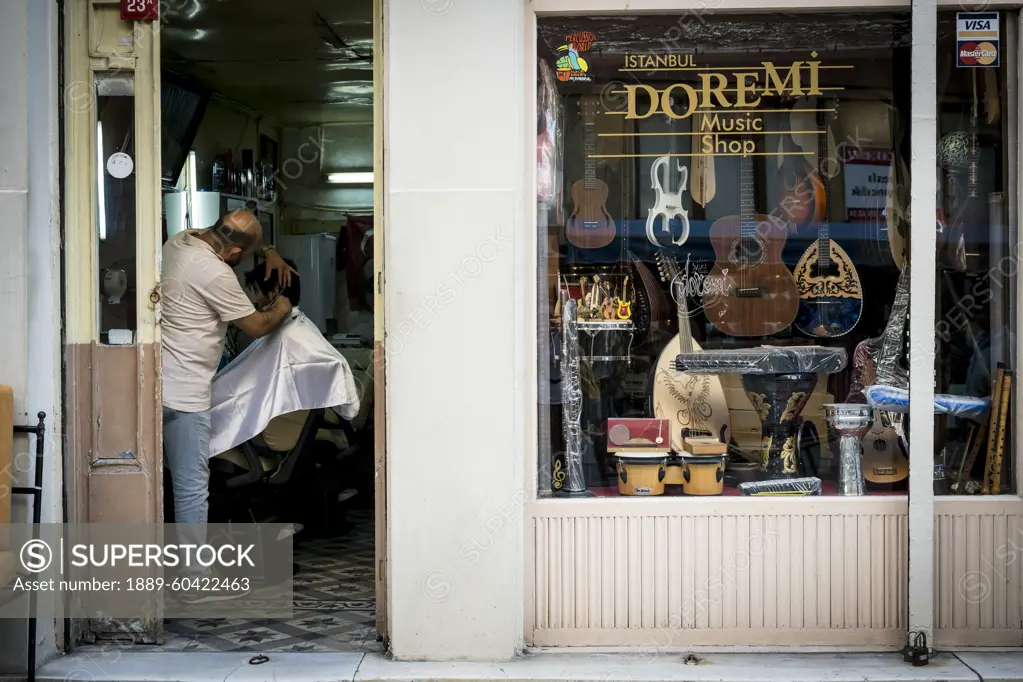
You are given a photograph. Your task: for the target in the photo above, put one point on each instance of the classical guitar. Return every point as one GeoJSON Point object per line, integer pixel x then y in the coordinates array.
{"type": "Point", "coordinates": [830, 294]}
{"type": "Point", "coordinates": [750, 292]}
{"type": "Point", "coordinates": [694, 403]}
{"type": "Point", "coordinates": [590, 226]}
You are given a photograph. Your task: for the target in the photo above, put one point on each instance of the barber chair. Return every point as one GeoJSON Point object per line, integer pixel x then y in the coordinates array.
{"type": "Point", "coordinates": [354, 438]}
{"type": "Point", "coordinates": [264, 475]}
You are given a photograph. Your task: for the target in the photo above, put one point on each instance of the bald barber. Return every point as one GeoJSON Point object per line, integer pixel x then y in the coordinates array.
{"type": "Point", "coordinates": [201, 295]}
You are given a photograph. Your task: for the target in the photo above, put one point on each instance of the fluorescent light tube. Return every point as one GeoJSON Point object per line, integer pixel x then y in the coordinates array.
{"type": "Point", "coordinates": [101, 188]}
{"type": "Point", "coordinates": [350, 178]}
{"type": "Point", "coordinates": [193, 191]}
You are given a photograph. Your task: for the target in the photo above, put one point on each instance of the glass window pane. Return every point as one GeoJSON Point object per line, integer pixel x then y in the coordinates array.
{"type": "Point", "coordinates": [730, 194]}
{"type": "Point", "coordinates": [115, 205]}
{"type": "Point", "coordinates": [977, 261]}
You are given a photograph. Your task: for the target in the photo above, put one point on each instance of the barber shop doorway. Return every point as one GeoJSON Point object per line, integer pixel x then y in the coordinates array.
{"type": "Point", "coordinates": [253, 105]}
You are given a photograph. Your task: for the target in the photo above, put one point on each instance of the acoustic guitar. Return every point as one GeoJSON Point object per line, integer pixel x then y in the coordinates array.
{"type": "Point", "coordinates": [750, 292]}
{"type": "Point", "coordinates": [830, 293]}
{"type": "Point", "coordinates": [694, 403]}
{"type": "Point", "coordinates": [590, 226]}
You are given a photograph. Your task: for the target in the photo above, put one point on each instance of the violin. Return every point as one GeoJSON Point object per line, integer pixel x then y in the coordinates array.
{"type": "Point", "coordinates": [667, 205]}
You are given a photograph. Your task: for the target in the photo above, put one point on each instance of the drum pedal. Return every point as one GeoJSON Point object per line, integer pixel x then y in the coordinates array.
{"type": "Point", "coordinates": [916, 651]}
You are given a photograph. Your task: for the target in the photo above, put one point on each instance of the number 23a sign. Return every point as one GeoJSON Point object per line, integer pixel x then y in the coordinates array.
{"type": "Point", "coordinates": [140, 10]}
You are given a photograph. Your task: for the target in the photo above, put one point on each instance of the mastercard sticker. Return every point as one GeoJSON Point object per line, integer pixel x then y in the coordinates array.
{"type": "Point", "coordinates": [977, 39]}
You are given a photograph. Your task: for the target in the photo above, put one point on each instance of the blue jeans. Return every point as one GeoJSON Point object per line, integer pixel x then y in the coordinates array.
{"type": "Point", "coordinates": [186, 444]}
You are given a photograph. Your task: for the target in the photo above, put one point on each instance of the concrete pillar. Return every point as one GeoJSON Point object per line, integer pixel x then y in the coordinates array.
{"type": "Point", "coordinates": [30, 266]}
{"type": "Point", "coordinates": [455, 165]}
{"type": "Point", "coordinates": [921, 324]}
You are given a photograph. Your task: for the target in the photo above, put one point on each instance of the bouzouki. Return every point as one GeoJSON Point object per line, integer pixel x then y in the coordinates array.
{"type": "Point", "coordinates": [590, 226]}
{"type": "Point", "coordinates": [750, 292]}
{"type": "Point", "coordinates": [694, 403]}
{"type": "Point", "coordinates": [830, 293]}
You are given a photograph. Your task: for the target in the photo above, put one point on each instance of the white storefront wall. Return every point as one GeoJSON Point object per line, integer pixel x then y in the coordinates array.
{"type": "Point", "coordinates": [30, 270]}
{"type": "Point", "coordinates": [478, 567]}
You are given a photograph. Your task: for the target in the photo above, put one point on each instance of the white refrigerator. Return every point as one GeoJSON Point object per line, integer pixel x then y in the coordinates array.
{"type": "Point", "coordinates": [314, 256]}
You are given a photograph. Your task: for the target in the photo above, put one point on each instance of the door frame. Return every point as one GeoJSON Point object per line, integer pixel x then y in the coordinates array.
{"type": "Point", "coordinates": [88, 363]}
{"type": "Point", "coordinates": [381, 544]}
{"type": "Point", "coordinates": [114, 433]}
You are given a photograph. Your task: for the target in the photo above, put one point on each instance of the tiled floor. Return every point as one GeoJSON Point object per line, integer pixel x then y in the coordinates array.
{"type": "Point", "coordinates": [335, 604]}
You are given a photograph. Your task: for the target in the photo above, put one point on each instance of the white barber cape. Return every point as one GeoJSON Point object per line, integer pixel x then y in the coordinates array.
{"type": "Point", "coordinates": [292, 368]}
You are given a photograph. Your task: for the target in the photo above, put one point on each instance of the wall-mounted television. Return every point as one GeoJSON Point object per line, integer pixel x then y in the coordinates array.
{"type": "Point", "coordinates": [183, 106]}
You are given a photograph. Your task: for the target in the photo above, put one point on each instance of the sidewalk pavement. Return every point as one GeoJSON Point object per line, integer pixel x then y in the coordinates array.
{"type": "Point", "coordinates": [93, 665]}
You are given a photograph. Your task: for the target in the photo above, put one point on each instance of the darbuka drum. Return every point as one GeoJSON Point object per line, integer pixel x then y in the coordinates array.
{"type": "Point", "coordinates": [851, 421]}
{"type": "Point", "coordinates": [641, 475]}
{"type": "Point", "coordinates": [703, 475]}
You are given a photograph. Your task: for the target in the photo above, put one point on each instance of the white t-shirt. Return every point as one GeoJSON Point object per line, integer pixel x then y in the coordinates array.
{"type": "Point", "coordinates": [200, 295]}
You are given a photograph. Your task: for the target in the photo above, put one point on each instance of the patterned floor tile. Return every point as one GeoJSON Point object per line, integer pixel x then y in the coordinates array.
{"type": "Point", "coordinates": [335, 604]}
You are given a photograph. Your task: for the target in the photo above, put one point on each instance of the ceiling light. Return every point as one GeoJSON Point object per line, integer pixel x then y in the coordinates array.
{"type": "Point", "coordinates": [350, 178]}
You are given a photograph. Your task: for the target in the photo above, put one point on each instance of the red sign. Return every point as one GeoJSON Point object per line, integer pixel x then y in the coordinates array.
{"type": "Point", "coordinates": [140, 10]}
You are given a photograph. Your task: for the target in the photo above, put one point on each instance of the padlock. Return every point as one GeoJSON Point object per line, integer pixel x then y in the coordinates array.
{"type": "Point", "coordinates": [916, 651]}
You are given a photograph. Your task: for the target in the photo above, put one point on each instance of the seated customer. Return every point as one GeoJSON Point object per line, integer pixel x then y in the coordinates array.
{"type": "Point", "coordinates": [293, 368]}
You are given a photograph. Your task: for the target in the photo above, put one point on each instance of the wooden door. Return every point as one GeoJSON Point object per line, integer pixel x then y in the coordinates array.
{"type": "Point", "coordinates": [113, 237]}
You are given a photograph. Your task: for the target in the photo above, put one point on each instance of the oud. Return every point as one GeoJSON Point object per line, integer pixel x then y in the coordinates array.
{"type": "Point", "coordinates": [830, 294]}
{"type": "Point", "coordinates": [750, 291]}
{"type": "Point", "coordinates": [695, 404]}
{"type": "Point", "coordinates": [590, 226]}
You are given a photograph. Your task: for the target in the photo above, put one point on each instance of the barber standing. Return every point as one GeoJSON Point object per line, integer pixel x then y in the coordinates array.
{"type": "Point", "coordinates": [200, 295]}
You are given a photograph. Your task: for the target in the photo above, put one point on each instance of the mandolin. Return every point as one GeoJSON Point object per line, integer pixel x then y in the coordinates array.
{"type": "Point", "coordinates": [694, 403]}
{"type": "Point", "coordinates": [749, 292]}
{"type": "Point", "coordinates": [830, 293]}
{"type": "Point", "coordinates": [590, 226]}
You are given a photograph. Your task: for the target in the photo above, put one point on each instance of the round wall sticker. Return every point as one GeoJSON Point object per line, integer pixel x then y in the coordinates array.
{"type": "Point", "coordinates": [120, 165]}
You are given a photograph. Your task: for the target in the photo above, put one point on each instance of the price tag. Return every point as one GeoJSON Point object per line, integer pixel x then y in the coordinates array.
{"type": "Point", "coordinates": [140, 10]}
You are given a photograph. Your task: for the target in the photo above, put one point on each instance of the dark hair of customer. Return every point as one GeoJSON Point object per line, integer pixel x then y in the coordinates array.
{"type": "Point", "coordinates": [256, 277]}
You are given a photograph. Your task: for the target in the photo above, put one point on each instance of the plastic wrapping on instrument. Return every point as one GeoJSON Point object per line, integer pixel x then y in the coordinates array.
{"type": "Point", "coordinates": [571, 398]}
{"type": "Point", "coordinates": [786, 486]}
{"type": "Point", "coordinates": [764, 360]}
{"type": "Point", "coordinates": [892, 399]}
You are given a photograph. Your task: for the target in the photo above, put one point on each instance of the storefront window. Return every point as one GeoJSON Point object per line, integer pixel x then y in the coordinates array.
{"type": "Point", "coordinates": [723, 238]}
{"type": "Point", "coordinates": [977, 259]}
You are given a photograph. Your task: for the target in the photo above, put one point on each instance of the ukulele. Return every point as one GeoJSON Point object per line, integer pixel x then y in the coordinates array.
{"type": "Point", "coordinates": [750, 292]}
{"type": "Point", "coordinates": [830, 293]}
{"type": "Point", "coordinates": [694, 403]}
{"type": "Point", "coordinates": [608, 308]}
{"type": "Point", "coordinates": [876, 360]}
{"type": "Point", "coordinates": [590, 226]}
